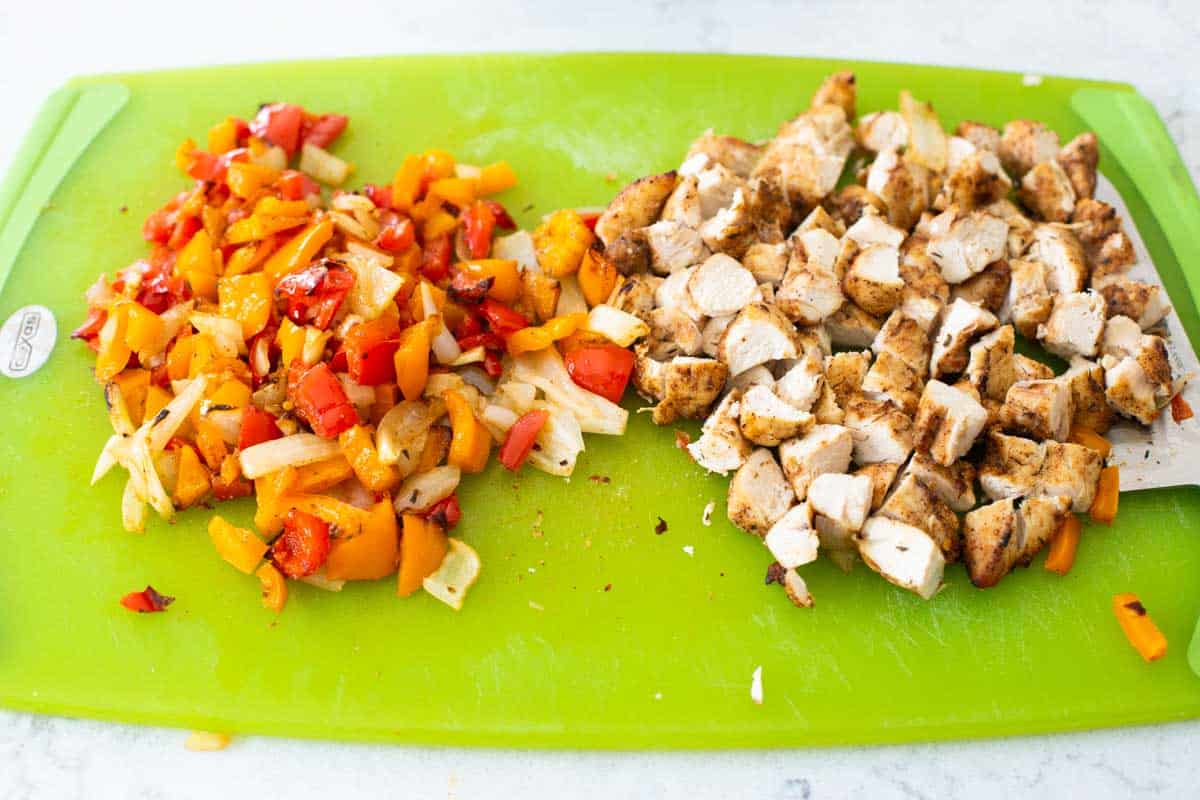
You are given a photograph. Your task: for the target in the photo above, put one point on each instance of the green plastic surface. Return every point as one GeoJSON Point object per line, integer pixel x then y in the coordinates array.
{"type": "Point", "coordinates": [546, 652]}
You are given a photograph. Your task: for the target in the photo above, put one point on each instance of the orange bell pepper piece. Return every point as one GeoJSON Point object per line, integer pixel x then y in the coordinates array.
{"type": "Point", "coordinates": [299, 250]}
{"type": "Point", "coordinates": [1089, 438]}
{"type": "Point", "coordinates": [232, 393]}
{"type": "Point", "coordinates": [372, 554]}
{"type": "Point", "coordinates": [359, 448]}
{"type": "Point", "coordinates": [412, 357]}
{"type": "Point", "coordinates": [407, 183]}
{"type": "Point", "coordinates": [238, 546]}
{"type": "Point", "coordinates": [597, 277]}
{"type": "Point", "coordinates": [196, 263]}
{"type": "Point", "coordinates": [203, 354]}
{"type": "Point", "coordinates": [144, 328]}
{"type": "Point", "coordinates": [247, 179]}
{"type": "Point", "coordinates": [1061, 557]}
{"type": "Point", "coordinates": [471, 443]}
{"type": "Point", "coordinates": [496, 178]}
{"type": "Point", "coordinates": [134, 385]}
{"type": "Point", "coordinates": [561, 242]}
{"type": "Point", "coordinates": [212, 447]}
{"type": "Point", "coordinates": [156, 400]}
{"type": "Point", "coordinates": [440, 222]}
{"type": "Point", "coordinates": [192, 481]}
{"type": "Point", "coordinates": [222, 137]}
{"type": "Point", "coordinates": [458, 191]}
{"type": "Point", "coordinates": [320, 476]}
{"type": "Point", "coordinates": [179, 359]}
{"type": "Point", "coordinates": [249, 256]}
{"type": "Point", "coordinates": [114, 353]}
{"type": "Point", "coordinates": [346, 519]}
{"type": "Point", "coordinates": [506, 279]}
{"type": "Point", "coordinates": [437, 164]}
{"type": "Point", "coordinates": [1139, 629]}
{"type": "Point", "coordinates": [530, 339]}
{"type": "Point", "coordinates": [274, 587]}
{"type": "Point", "coordinates": [1108, 490]}
{"type": "Point", "coordinates": [246, 298]}
{"type": "Point", "coordinates": [268, 493]}
{"type": "Point", "coordinates": [423, 546]}
{"type": "Point", "coordinates": [437, 445]}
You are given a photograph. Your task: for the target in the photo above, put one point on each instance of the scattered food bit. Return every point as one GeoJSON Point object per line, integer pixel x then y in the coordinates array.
{"type": "Point", "coordinates": [587, 544]}
{"type": "Point", "coordinates": [146, 601]}
{"type": "Point", "coordinates": [610, 177]}
{"type": "Point", "coordinates": [682, 440]}
{"type": "Point", "coordinates": [756, 686]}
{"type": "Point", "coordinates": [206, 742]}
{"type": "Point", "coordinates": [775, 574]}
{"type": "Point", "coordinates": [1032, 80]}
{"type": "Point", "coordinates": [1141, 631]}
{"type": "Point", "coordinates": [708, 512]}
{"type": "Point", "coordinates": [691, 551]}
{"type": "Point", "coordinates": [537, 531]}
{"type": "Point", "coordinates": [124, 209]}
{"type": "Point", "coordinates": [608, 587]}
{"type": "Point", "coordinates": [661, 527]}
{"type": "Point", "coordinates": [1180, 410]}
{"type": "Point", "coordinates": [603, 479]}
{"type": "Point", "coordinates": [532, 570]}
{"type": "Point", "coordinates": [658, 695]}
{"type": "Point", "coordinates": [536, 606]}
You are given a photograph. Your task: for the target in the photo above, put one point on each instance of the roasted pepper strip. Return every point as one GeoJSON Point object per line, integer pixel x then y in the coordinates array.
{"type": "Point", "coordinates": [358, 445]}
{"type": "Point", "coordinates": [471, 442]}
{"type": "Point", "coordinates": [528, 340]}
{"type": "Point", "coordinates": [1141, 631]}
{"type": "Point", "coordinates": [412, 357]}
{"type": "Point", "coordinates": [274, 587]}
{"type": "Point", "coordinates": [238, 546]}
{"type": "Point", "coordinates": [422, 547]}
{"type": "Point", "coordinates": [299, 250]}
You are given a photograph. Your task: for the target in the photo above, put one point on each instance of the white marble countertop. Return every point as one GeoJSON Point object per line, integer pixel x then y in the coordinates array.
{"type": "Point", "coordinates": [1151, 45]}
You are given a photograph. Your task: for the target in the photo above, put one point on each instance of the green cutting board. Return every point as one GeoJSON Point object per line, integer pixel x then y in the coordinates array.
{"type": "Point", "coordinates": [586, 629]}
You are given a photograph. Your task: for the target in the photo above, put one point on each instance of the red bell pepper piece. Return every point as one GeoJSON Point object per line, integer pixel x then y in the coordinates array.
{"type": "Point", "coordinates": [446, 512]}
{"type": "Point", "coordinates": [469, 325]}
{"type": "Point", "coordinates": [590, 220]}
{"type": "Point", "coordinates": [370, 347]}
{"type": "Point", "coordinates": [493, 363]}
{"type": "Point", "coordinates": [303, 546]}
{"type": "Point", "coordinates": [521, 437]}
{"type": "Point", "coordinates": [502, 320]}
{"type": "Point", "coordinates": [504, 220]}
{"type": "Point", "coordinates": [146, 601]}
{"type": "Point", "coordinates": [279, 124]}
{"type": "Point", "coordinates": [602, 369]}
{"type": "Point", "coordinates": [323, 130]}
{"type": "Point", "coordinates": [207, 167]}
{"type": "Point", "coordinates": [160, 291]}
{"type": "Point", "coordinates": [185, 228]}
{"type": "Point", "coordinates": [91, 326]}
{"type": "Point", "coordinates": [478, 225]}
{"type": "Point", "coordinates": [158, 226]}
{"type": "Point", "coordinates": [258, 426]}
{"type": "Point", "coordinates": [435, 258]}
{"type": "Point", "coordinates": [321, 401]}
{"type": "Point", "coordinates": [315, 294]}
{"type": "Point", "coordinates": [339, 361]}
{"type": "Point", "coordinates": [397, 234]}
{"type": "Point", "coordinates": [381, 196]}
{"type": "Point", "coordinates": [295, 185]}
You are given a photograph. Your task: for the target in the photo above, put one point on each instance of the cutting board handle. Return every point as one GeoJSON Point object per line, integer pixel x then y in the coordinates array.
{"type": "Point", "coordinates": [68, 122]}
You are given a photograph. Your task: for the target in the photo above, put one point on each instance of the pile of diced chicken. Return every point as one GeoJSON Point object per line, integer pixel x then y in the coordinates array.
{"type": "Point", "coordinates": [851, 350]}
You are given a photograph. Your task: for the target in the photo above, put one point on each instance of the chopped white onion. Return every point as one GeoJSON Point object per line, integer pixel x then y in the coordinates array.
{"type": "Point", "coordinates": [115, 451]}
{"type": "Point", "coordinates": [559, 443]}
{"type": "Point", "coordinates": [570, 297]}
{"type": "Point", "coordinates": [274, 157]}
{"type": "Point", "coordinates": [475, 376]}
{"type": "Point", "coordinates": [616, 325]}
{"type": "Point", "coordinates": [359, 396]}
{"type": "Point", "coordinates": [498, 419]}
{"type": "Point", "coordinates": [323, 165]}
{"type": "Point", "coordinates": [319, 580]}
{"type": "Point", "coordinates": [401, 435]}
{"type": "Point", "coordinates": [163, 426]}
{"type": "Point", "coordinates": [228, 422]}
{"type": "Point", "coordinates": [225, 333]}
{"type": "Point", "coordinates": [472, 356]}
{"type": "Point", "coordinates": [517, 395]}
{"type": "Point", "coordinates": [458, 573]}
{"type": "Point", "coordinates": [420, 492]}
{"type": "Point", "coordinates": [469, 171]}
{"type": "Point", "coordinates": [517, 247]}
{"type": "Point", "coordinates": [290, 451]}
{"type": "Point", "coordinates": [133, 508]}
{"type": "Point", "coordinates": [375, 287]}
{"type": "Point", "coordinates": [445, 348]}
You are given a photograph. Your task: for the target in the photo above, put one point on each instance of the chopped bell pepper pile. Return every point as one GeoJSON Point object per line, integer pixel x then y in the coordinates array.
{"type": "Point", "coordinates": [343, 357]}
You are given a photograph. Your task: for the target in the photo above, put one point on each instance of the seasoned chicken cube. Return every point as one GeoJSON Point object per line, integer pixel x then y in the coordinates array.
{"type": "Point", "coordinates": [1122, 337]}
{"type": "Point", "coordinates": [1010, 466]}
{"type": "Point", "coordinates": [1071, 471]}
{"type": "Point", "coordinates": [711, 333]}
{"type": "Point", "coordinates": [728, 151]}
{"type": "Point", "coordinates": [720, 286]}
{"type": "Point", "coordinates": [689, 387]}
{"type": "Point", "coordinates": [629, 253]}
{"type": "Point", "coordinates": [872, 229]}
{"type": "Point", "coordinates": [873, 280]}
{"type": "Point", "coordinates": [1145, 303]}
{"type": "Point", "coordinates": [925, 293]}
{"type": "Point", "coordinates": [809, 293]}
{"type": "Point", "coordinates": [988, 288]}
{"type": "Point", "coordinates": [1094, 221]}
{"type": "Point", "coordinates": [953, 485]}
{"type": "Point", "coordinates": [903, 337]}
{"type": "Point", "coordinates": [881, 431]}
{"type": "Point", "coordinates": [902, 186]}
{"type": "Point", "coordinates": [819, 219]}
{"type": "Point", "coordinates": [912, 503]}
{"type": "Point", "coordinates": [1090, 409]}
{"type": "Point", "coordinates": [958, 150]}
{"type": "Point", "coordinates": [827, 410]}
{"type": "Point", "coordinates": [825, 448]}
{"type": "Point", "coordinates": [673, 246]}
{"type": "Point", "coordinates": [1026, 143]}
{"type": "Point", "coordinates": [770, 213]}
{"type": "Point", "coordinates": [976, 182]}
{"type": "Point", "coordinates": [807, 155]}
{"type": "Point", "coordinates": [1114, 257]}
{"type": "Point", "coordinates": [845, 372]}
{"type": "Point", "coordinates": [759, 495]}
{"type": "Point", "coordinates": [767, 420]}
{"type": "Point", "coordinates": [905, 555]}
{"type": "Point", "coordinates": [793, 540]}
{"type": "Point", "coordinates": [984, 137]}
{"type": "Point", "coordinates": [1038, 409]}
{"type": "Point", "coordinates": [1066, 266]}
{"type": "Point", "coordinates": [757, 335]}
{"type": "Point", "coordinates": [673, 333]}
{"type": "Point", "coordinates": [948, 422]}
{"type": "Point", "coordinates": [800, 380]}
{"type": "Point", "coordinates": [848, 204]}
{"type": "Point", "coordinates": [716, 187]}
{"type": "Point", "coordinates": [1002, 534]}
{"type": "Point", "coordinates": [963, 244]}
{"type": "Point", "coordinates": [796, 589]}
{"type": "Point", "coordinates": [990, 367]}
{"type": "Point", "coordinates": [838, 89]}
{"type": "Point", "coordinates": [962, 323]}
{"type": "Point", "coordinates": [837, 542]}
{"type": "Point", "coordinates": [1129, 390]}
{"type": "Point", "coordinates": [648, 373]}
{"type": "Point", "coordinates": [926, 139]}
{"type": "Point", "coordinates": [1027, 369]}
{"type": "Point", "coordinates": [755, 376]}
{"type": "Point", "coordinates": [1047, 192]}
{"type": "Point", "coordinates": [732, 230]}
{"type": "Point", "coordinates": [882, 131]}
{"type": "Point", "coordinates": [635, 295]}
{"type": "Point", "coordinates": [767, 262]}
{"type": "Point", "coordinates": [845, 499]}
{"type": "Point", "coordinates": [1076, 325]}
{"type": "Point", "coordinates": [1079, 158]}
{"type": "Point", "coordinates": [683, 206]}
{"type": "Point", "coordinates": [890, 378]}
{"type": "Point", "coordinates": [852, 326]}
{"type": "Point", "coordinates": [1028, 302]}
{"type": "Point", "coordinates": [635, 206]}
{"type": "Point", "coordinates": [882, 476]}
{"type": "Point", "coordinates": [721, 446]}
{"type": "Point", "coordinates": [818, 247]}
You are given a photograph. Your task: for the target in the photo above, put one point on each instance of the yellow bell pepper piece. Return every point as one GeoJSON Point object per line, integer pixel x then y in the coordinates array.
{"type": "Point", "coordinates": [597, 277]}
{"type": "Point", "coordinates": [246, 298]}
{"type": "Point", "coordinates": [320, 476]}
{"type": "Point", "coordinates": [260, 226]}
{"type": "Point", "coordinates": [358, 445]}
{"type": "Point", "coordinates": [197, 263]}
{"type": "Point", "coordinates": [222, 137]}
{"type": "Point", "coordinates": [471, 443]}
{"type": "Point", "coordinates": [530, 339]}
{"type": "Point", "coordinates": [290, 338]}
{"type": "Point", "coordinates": [179, 359]}
{"type": "Point", "coordinates": [144, 328]}
{"type": "Point", "coordinates": [424, 210]}
{"type": "Point", "coordinates": [496, 178]}
{"type": "Point", "coordinates": [457, 191]}
{"type": "Point", "coordinates": [423, 546]}
{"type": "Point", "coordinates": [561, 241]}
{"type": "Point", "coordinates": [183, 154]}
{"type": "Point", "coordinates": [437, 164]}
{"type": "Point", "coordinates": [156, 400]}
{"type": "Point", "coordinates": [407, 183]}
{"type": "Point", "coordinates": [269, 514]}
{"type": "Point", "coordinates": [203, 353]}
{"type": "Point", "coordinates": [274, 587]}
{"type": "Point", "coordinates": [540, 292]}
{"type": "Point", "coordinates": [372, 554]}
{"type": "Point", "coordinates": [440, 223]}
{"type": "Point", "coordinates": [249, 256]}
{"type": "Point", "coordinates": [193, 481]}
{"type": "Point", "coordinates": [232, 393]}
{"type": "Point", "coordinates": [114, 353]}
{"type": "Point", "coordinates": [238, 546]}
{"type": "Point", "coordinates": [412, 357]}
{"type": "Point", "coordinates": [274, 207]}
{"type": "Point", "coordinates": [347, 519]}
{"type": "Point", "coordinates": [247, 179]}
{"type": "Point", "coordinates": [134, 384]}
{"type": "Point", "coordinates": [299, 251]}
{"type": "Point", "coordinates": [211, 445]}
{"type": "Point", "coordinates": [506, 285]}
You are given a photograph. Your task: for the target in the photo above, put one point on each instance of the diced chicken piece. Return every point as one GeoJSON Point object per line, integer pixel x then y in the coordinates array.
{"type": "Point", "coordinates": [1028, 302]}
{"type": "Point", "coordinates": [629, 253]}
{"type": "Point", "coordinates": [683, 206]}
{"type": "Point", "coordinates": [647, 373]}
{"type": "Point", "coordinates": [1144, 302]}
{"type": "Point", "coordinates": [635, 206]}
{"type": "Point", "coordinates": [825, 448]}
{"type": "Point", "coordinates": [1076, 325]}
{"type": "Point", "coordinates": [891, 378]}
{"type": "Point", "coordinates": [1002, 534]}
{"type": "Point", "coordinates": [1094, 221]}
{"type": "Point", "coordinates": [838, 89]}
{"type": "Point", "coordinates": [1038, 409]}
{"type": "Point", "coordinates": [990, 368]}
{"type": "Point", "coordinates": [1114, 257]}
{"type": "Point", "coordinates": [767, 262]}
{"type": "Point", "coordinates": [813, 339]}
{"type": "Point", "coordinates": [948, 422]}
{"type": "Point", "coordinates": [1028, 369]}
{"type": "Point", "coordinates": [926, 292]}
{"type": "Point", "coordinates": [1152, 357]}
{"type": "Point", "coordinates": [810, 292]}
{"type": "Point", "coordinates": [672, 292]}
{"type": "Point", "coordinates": [1079, 158]}
{"type": "Point", "coordinates": [1066, 266]}
{"type": "Point", "coordinates": [793, 540]}
{"type": "Point", "coordinates": [905, 555]}
{"type": "Point", "coordinates": [673, 333]}
{"type": "Point", "coordinates": [732, 230]}
{"type": "Point", "coordinates": [1047, 192]}
{"type": "Point", "coordinates": [963, 244]}
{"type": "Point", "coordinates": [1090, 409]}
{"type": "Point", "coordinates": [673, 246]}
{"type": "Point", "coordinates": [962, 323]}
{"type": "Point", "coordinates": [958, 150]}
{"type": "Point", "coordinates": [845, 499]}
{"type": "Point", "coordinates": [882, 476]}
{"type": "Point", "coordinates": [755, 376]}
{"type": "Point", "coordinates": [912, 503]}
{"type": "Point", "coordinates": [819, 219]}
{"type": "Point", "coordinates": [881, 431]}
{"type": "Point", "coordinates": [988, 288]}
{"type": "Point", "coordinates": [759, 495]}
{"type": "Point", "coordinates": [904, 338]}
{"type": "Point", "coordinates": [837, 542]}
{"type": "Point", "coordinates": [926, 139]}
{"type": "Point", "coordinates": [882, 131]}
{"type": "Point", "coordinates": [689, 387]}
{"type": "Point", "coordinates": [735, 154]}
{"type": "Point", "coordinates": [1010, 465]}
{"type": "Point", "coordinates": [976, 182]}
{"type": "Point", "coordinates": [1129, 390]}
{"type": "Point", "coordinates": [851, 326]}
{"type": "Point", "coordinates": [635, 295]}
{"type": "Point", "coordinates": [769, 210]}
{"type": "Point", "coordinates": [845, 372]}
{"type": "Point", "coordinates": [716, 186]}
{"type": "Point", "coordinates": [801, 381]}
{"type": "Point", "coordinates": [807, 155]}
{"type": "Point", "coordinates": [872, 229]}
{"type": "Point", "coordinates": [721, 286]}
{"type": "Point", "coordinates": [1071, 471]}
{"type": "Point", "coordinates": [711, 333]}
{"type": "Point", "coordinates": [796, 589]}
{"type": "Point", "coordinates": [848, 204]}
{"type": "Point", "coordinates": [953, 485]}
{"type": "Point", "coordinates": [1020, 227]}
{"type": "Point", "coordinates": [984, 137]}
{"type": "Point", "coordinates": [827, 410]}
{"type": "Point", "coordinates": [757, 335]}
{"type": "Point", "coordinates": [873, 280]}
{"type": "Point", "coordinates": [818, 247]}
{"type": "Point", "coordinates": [721, 446]}
{"type": "Point", "coordinates": [1122, 337]}
{"type": "Point", "coordinates": [1024, 144]}
{"type": "Point", "coordinates": [767, 420]}
{"type": "Point", "coordinates": [902, 186]}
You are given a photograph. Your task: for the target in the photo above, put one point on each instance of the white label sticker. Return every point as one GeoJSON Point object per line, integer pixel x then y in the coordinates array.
{"type": "Point", "coordinates": [26, 340]}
